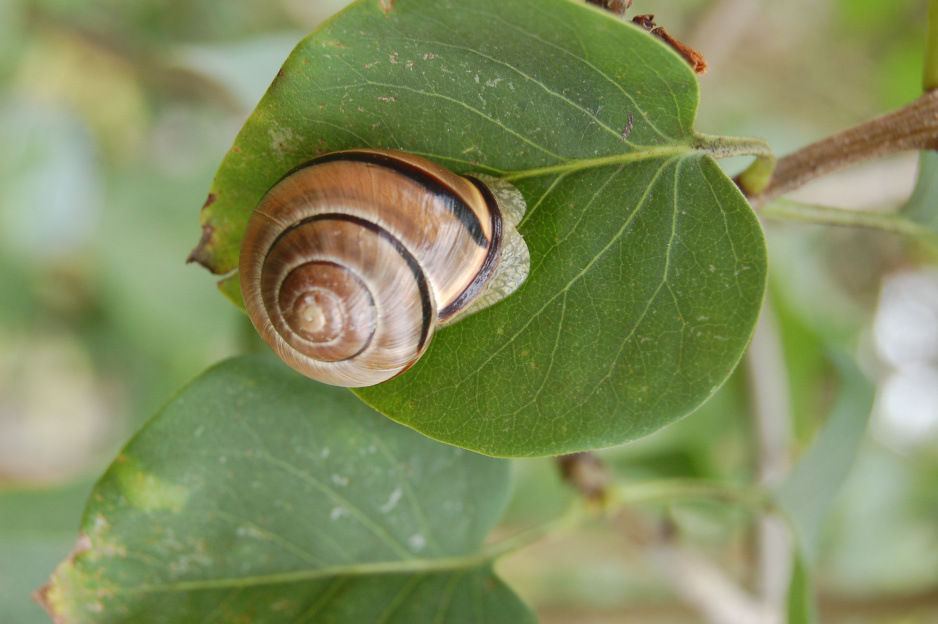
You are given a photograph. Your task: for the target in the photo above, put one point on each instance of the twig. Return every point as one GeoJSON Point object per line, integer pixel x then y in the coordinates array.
{"type": "Point", "coordinates": [694, 58]}
{"type": "Point", "coordinates": [895, 223]}
{"type": "Point", "coordinates": [913, 127]}
{"type": "Point", "coordinates": [710, 589]}
{"type": "Point", "coordinates": [771, 410]}
{"type": "Point", "coordinates": [700, 582]}
{"type": "Point", "coordinates": [672, 490]}
{"type": "Point", "coordinates": [833, 607]}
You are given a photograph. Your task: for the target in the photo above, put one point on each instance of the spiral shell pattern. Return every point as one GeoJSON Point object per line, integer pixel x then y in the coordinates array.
{"type": "Point", "coordinates": [351, 260]}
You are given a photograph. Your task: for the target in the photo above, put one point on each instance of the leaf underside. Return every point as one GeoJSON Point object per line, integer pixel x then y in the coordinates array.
{"type": "Point", "coordinates": [258, 496]}
{"type": "Point", "coordinates": [648, 266]}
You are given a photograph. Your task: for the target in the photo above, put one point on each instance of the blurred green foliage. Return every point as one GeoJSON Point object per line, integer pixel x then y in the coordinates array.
{"type": "Point", "coordinates": [113, 119]}
{"type": "Point", "coordinates": [882, 36]}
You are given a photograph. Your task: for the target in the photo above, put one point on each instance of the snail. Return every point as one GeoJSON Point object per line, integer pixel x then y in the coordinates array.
{"type": "Point", "coordinates": [352, 260]}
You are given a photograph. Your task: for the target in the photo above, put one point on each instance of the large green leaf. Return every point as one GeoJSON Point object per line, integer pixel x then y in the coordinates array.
{"type": "Point", "coordinates": [258, 496]}
{"type": "Point", "coordinates": [802, 603]}
{"type": "Point", "coordinates": [648, 266]}
{"type": "Point", "coordinates": [807, 493]}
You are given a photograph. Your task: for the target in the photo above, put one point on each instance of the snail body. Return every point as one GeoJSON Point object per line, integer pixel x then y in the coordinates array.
{"type": "Point", "coordinates": [352, 260]}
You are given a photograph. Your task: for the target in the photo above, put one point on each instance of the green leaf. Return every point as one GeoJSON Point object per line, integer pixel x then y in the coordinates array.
{"type": "Point", "coordinates": [922, 207]}
{"type": "Point", "coordinates": [807, 493]}
{"type": "Point", "coordinates": [648, 266]}
{"type": "Point", "coordinates": [257, 495]}
{"type": "Point", "coordinates": [802, 607]}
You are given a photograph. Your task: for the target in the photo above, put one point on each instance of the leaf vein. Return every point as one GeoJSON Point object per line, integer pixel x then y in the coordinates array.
{"type": "Point", "coordinates": [358, 513]}
{"type": "Point", "coordinates": [323, 600]}
{"type": "Point", "coordinates": [400, 597]}
{"type": "Point", "coordinates": [596, 69]}
{"type": "Point", "coordinates": [617, 134]}
{"type": "Point", "coordinates": [568, 286]}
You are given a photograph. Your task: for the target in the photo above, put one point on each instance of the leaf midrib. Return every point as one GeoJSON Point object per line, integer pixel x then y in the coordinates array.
{"type": "Point", "coordinates": [411, 566]}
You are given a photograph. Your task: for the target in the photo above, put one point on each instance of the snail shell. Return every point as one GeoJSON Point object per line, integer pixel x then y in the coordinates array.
{"type": "Point", "coordinates": [352, 260]}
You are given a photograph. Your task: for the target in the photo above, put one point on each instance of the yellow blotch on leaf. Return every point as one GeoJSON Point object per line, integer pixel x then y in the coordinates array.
{"type": "Point", "coordinates": [147, 492]}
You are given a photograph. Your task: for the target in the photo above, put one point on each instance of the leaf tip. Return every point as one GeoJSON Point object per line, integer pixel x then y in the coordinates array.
{"type": "Point", "coordinates": [42, 597]}
{"type": "Point", "coordinates": [51, 596]}
{"type": "Point", "coordinates": [200, 253]}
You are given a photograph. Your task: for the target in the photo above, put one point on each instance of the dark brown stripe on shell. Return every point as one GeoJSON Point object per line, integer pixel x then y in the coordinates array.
{"type": "Point", "coordinates": [411, 261]}
{"type": "Point", "coordinates": [491, 259]}
{"type": "Point", "coordinates": [429, 182]}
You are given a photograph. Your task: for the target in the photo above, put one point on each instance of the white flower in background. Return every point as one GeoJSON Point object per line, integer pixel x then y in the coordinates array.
{"type": "Point", "coordinates": [905, 333]}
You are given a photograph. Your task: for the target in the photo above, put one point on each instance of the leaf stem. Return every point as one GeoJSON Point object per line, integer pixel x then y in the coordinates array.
{"type": "Point", "coordinates": [672, 489]}
{"type": "Point", "coordinates": [759, 173]}
{"type": "Point", "coordinates": [789, 210]}
{"type": "Point", "coordinates": [912, 127]}
{"type": "Point", "coordinates": [569, 520]}
{"type": "Point", "coordinates": [628, 495]}
{"type": "Point", "coordinates": [727, 147]}
{"type": "Point", "coordinates": [930, 75]}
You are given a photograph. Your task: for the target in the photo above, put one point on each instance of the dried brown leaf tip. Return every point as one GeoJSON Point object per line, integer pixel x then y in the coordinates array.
{"type": "Point", "coordinates": [50, 596]}
{"type": "Point", "coordinates": [692, 56]}
{"type": "Point", "coordinates": [201, 253]}
{"type": "Point", "coordinates": [619, 7]}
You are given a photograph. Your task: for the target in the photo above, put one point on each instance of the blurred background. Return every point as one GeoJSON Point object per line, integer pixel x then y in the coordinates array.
{"type": "Point", "coordinates": [113, 118]}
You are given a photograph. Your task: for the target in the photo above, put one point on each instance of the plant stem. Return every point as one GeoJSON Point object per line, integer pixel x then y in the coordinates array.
{"type": "Point", "coordinates": [930, 75]}
{"type": "Point", "coordinates": [770, 408]}
{"type": "Point", "coordinates": [757, 176]}
{"type": "Point", "coordinates": [672, 489]}
{"type": "Point", "coordinates": [627, 495]}
{"type": "Point", "coordinates": [824, 215]}
{"type": "Point", "coordinates": [574, 516]}
{"type": "Point", "coordinates": [913, 127]}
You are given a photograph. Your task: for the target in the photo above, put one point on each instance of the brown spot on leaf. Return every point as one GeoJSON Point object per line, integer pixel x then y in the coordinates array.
{"type": "Point", "coordinates": [41, 597]}
{"type": "Point", "coordinates": [386, 5]}
{"type": "Point", "coordinates": [211, 199]}
{"type": "Point", "coordinates": [628, 128]}
{"type": "Point", "coordinates": [199, 254]}
{"type": "Point", "coordinates": [694, 58]}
